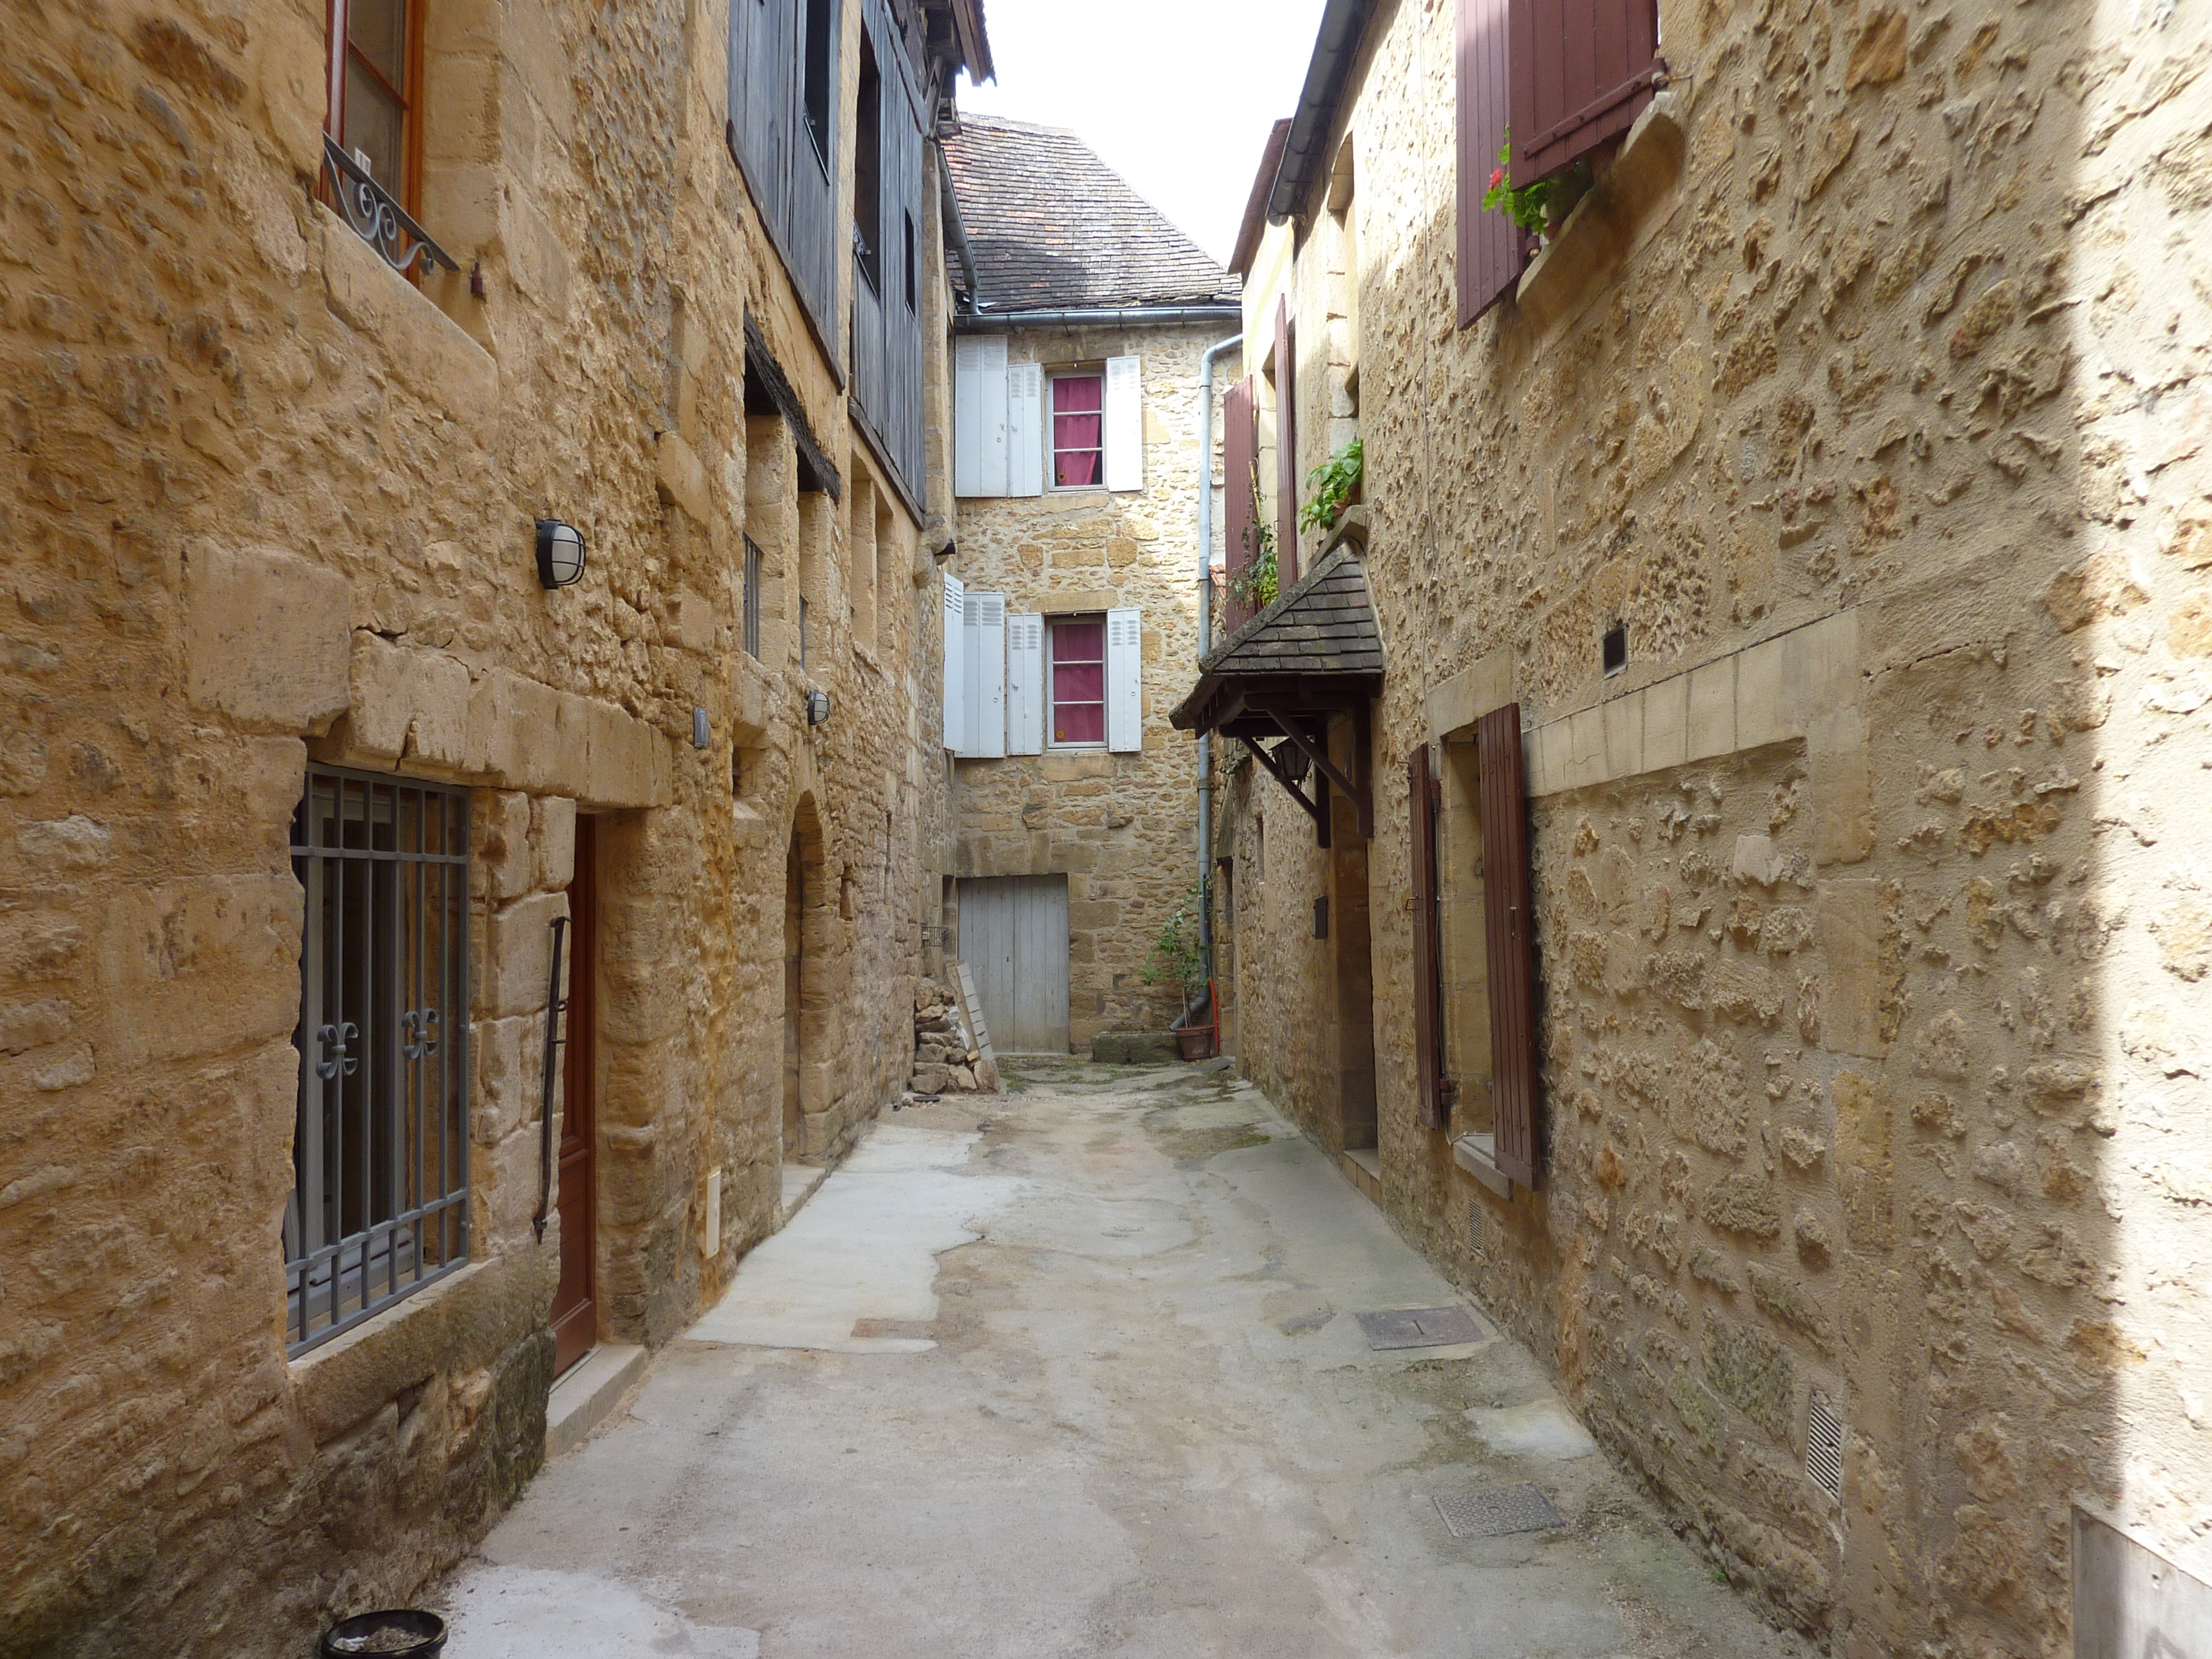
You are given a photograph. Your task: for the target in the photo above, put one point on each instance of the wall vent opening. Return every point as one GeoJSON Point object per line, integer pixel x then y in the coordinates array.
{"type": "Point", "coordinates": [1616, 649]}
{"type": "Point", "coordinates": [1824, 1447]}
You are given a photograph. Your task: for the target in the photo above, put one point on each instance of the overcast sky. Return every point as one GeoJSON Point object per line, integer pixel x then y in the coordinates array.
{"type": "Point", "coordinates": [1177, 95]}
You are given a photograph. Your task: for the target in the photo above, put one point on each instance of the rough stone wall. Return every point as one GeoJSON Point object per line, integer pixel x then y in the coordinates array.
{"type": "Point", "coordinates": [1122, 826]}
{"type": "Point", "coordinates": [266, 501]}
{"type": "Point", "coordinates": [1865, 1017]}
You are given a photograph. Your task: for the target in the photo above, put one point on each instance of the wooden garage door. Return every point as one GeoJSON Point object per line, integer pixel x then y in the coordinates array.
{"type": "Point", "coordinates": [1013, 934]}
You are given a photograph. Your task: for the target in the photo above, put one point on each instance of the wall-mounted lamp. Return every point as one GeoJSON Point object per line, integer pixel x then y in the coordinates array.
{"type": "Point", "coordinates": [818, 708]}
{"type": "Point", "coordinates": [698, 728]}
{"type": "Point", "coordinates": [560, 553]}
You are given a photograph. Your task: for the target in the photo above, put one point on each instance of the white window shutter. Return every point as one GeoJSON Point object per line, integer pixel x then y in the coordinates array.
{"type": "Point", "coordinates": [979, 415]}
{"type": "Point", "coordinates": [956, 664]}
{"type": "Point", "coordinates": [986, 675]}
{"type": "Point", "coordinates": [1025, 429]}
{"type": "Point", "coordinates": [1025, 684]}
{"type": "Point", "coordinates": [1125, 681]}
{"type": "Point", "coordinates": [1124, 423]}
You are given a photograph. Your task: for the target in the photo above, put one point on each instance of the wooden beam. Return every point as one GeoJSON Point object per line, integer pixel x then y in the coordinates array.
{"type": "Point", "coordinates": [1357, 794]}
{"type": "Point", "coordinates": [1275, 771]}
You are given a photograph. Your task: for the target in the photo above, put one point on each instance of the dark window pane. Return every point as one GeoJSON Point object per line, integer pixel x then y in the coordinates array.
{"type": "Point", "coordinates": [373, 124]}
{"type": "Point", "coordinates": [377, 29]}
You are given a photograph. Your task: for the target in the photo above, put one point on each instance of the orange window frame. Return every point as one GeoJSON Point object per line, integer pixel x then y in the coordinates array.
{"type": "Point", "coordinates": [341, 51]}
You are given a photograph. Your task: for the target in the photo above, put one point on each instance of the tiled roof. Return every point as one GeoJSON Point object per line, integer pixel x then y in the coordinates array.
{"type": "Point", "coordinates": [1052, 226]}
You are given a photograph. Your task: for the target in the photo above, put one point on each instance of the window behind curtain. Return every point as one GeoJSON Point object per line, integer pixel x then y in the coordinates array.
{"type": "Point", "coordinates": [375, 55]}
{"type": "Point", "coordinates": [1078, 680]}
{"type": "Point", "coordinates": [1078, 442]}
{"type": "Point", "coordinates": [868, 168]}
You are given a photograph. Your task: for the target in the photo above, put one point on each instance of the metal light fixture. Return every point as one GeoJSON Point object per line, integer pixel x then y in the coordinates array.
{"type": "Point", "coordinates": [560, 553]}
{"type": "Point", "coordinates": [818, 708]}
{"type": "Point", "coordinates": [698, 728]}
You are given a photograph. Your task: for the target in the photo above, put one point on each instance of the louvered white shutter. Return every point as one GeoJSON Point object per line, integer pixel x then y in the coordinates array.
{"type": "Point", "coordinates": [979, 415]}
{"type": "Point", "coordinates": [1124, 423]}
{"type": "Point", "coordinates": [956, 664]}
{"type": "Point", "coordinates": [986, 675]}
{"type": "Point", "coordinates": [1025, 429]}
{"type": "Point", "coordinates": [1025, 684]}
{"type": "Point", "coordinates": [1125, 681]}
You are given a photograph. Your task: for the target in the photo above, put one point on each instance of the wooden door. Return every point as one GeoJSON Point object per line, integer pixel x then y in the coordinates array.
{"type": "Point", "coordinates": [1013, 936]}
{"type": "Point", "coordinates": [575, 1305]}
{"type": "Point", "coordinates": [794, 987]}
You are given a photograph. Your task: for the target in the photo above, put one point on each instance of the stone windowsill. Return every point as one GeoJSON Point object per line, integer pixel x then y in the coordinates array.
{"type": "Point", "coordinates": [1605, 224]}
{"type": "Point", "coordinates": [1477, 1154]}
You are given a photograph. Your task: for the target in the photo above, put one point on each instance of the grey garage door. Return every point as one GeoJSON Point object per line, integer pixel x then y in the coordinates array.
{"type": "Point", "coordinates": [1013, 935]}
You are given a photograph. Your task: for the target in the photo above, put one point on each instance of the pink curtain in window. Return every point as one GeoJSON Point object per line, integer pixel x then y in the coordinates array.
{"type": "Point", "coordinates": [1079, 403]}
{"type": "Point", "coordinates": [1079, 683]}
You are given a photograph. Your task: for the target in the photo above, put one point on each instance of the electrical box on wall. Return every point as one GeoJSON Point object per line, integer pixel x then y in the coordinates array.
{"type": "Point", "coordinates": [710, 1237]}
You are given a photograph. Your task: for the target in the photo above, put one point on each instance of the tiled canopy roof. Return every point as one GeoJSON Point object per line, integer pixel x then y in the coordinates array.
{"type": "Point", "coordinates": [1053, 226]}
{"type": "Point", "coordinates": [1318, 636]}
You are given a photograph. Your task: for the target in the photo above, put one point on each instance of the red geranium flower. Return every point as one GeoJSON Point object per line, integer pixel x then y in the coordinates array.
{"type": "Point", "coordinates": [1497, 177]}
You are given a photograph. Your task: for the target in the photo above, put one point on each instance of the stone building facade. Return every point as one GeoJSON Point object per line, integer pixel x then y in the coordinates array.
{"type": "Point", "coordinates": [271, 513]}
{"type": "Point", "coordinates": [1829, 500]}
{"type": "Point", "coordinates": [1078, 281]}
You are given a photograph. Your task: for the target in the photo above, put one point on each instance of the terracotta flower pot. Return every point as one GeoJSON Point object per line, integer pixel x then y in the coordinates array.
{"type": "Point", "coordinates": [1196, 1041]}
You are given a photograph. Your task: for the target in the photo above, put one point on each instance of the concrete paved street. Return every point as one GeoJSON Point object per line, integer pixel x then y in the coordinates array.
{"type": "Point", "coordinates": [1075, 1371]}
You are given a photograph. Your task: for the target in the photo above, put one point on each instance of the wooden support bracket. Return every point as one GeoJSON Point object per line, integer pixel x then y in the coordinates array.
{"type": "Point", "coordinates": [1359, 794]}
{"type": "Point", "coordinates": [1315, 810]}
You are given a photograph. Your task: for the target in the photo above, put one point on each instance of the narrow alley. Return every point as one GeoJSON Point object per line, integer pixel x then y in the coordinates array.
{"type": "Point", "coordinates": [1078, 1371]}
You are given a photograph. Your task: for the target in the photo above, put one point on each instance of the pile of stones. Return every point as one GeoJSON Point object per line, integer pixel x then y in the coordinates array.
{"type": "Point", "coordinates": [943, 1061]}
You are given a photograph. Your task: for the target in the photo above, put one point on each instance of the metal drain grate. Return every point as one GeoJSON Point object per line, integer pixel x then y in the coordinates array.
{"type": "Point", "coordinates": [1420, 1327]}
{"type": "Point", "coordinates": [1824, 1446]}
{"type": "Point", "coordinates": [1498, 1511]}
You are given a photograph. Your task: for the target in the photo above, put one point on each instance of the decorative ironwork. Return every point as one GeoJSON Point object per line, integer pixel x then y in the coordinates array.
{"type": "Point", "coordinates": [376, 218]}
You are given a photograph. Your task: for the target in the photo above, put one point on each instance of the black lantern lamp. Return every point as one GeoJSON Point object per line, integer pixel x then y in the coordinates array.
{"type": "Point", "coordinates": [560, 553]}
{"type": "Point", "coordinates": [817, 707]}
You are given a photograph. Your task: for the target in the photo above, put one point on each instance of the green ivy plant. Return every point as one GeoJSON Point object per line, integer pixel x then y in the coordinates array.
{"type": "Point", "coordinates": [1524, 204]}
{"type": "Point", "coordinates": [1334, 483]}
{"type": "Point", "coordinates": [1256, 584]}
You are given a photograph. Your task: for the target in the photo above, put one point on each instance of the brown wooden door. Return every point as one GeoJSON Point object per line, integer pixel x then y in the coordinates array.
{"type": "Point", "coordinates": [575, 1306]}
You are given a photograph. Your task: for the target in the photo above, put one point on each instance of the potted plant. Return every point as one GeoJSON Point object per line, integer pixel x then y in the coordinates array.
{"type": "Point", "coordinates": [1178, 958]}
{"type": "Point", "coordinates": [1335, 486]}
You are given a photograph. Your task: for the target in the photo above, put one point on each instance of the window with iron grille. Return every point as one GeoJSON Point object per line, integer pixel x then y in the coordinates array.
{"type": "Point", "coordinates": [381, 1154]}
{"type": "Point", "coordinates": [752, 598]}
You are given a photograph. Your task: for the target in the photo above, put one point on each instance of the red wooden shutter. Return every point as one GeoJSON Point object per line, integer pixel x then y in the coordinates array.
{"type": "Point", "coordinates": [1240, 446]}
{"type": "Point", "coordinates": [1583, 71]}
{"type": "Point", "coordinates": [1286, 447]}
{"type": "Point", "coordinates": [1509, 941]}
{"type": "Point", "coordinates": [1428, 957]}
{"type": "Point", "coordinates": [1492, 248]}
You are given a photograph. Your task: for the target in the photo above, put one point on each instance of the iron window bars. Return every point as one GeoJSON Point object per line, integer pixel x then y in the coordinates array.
{"type": "Point", "coordinates": [377, 217]}
{"type": "Point", "coordinates": [752, 598]}
{"type": "Point", "coordinates": [380, 1202]}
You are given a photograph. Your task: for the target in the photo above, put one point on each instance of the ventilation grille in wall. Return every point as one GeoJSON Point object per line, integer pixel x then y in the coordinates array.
{"type": "Point", "coordinates": [1824, 1447]}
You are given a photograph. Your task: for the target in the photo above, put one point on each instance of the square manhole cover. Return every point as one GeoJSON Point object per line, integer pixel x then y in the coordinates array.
{"type": "Point", "coordinates": [1498, 1510]}
{"type": "Point", "coordinates": [1420, 1327]}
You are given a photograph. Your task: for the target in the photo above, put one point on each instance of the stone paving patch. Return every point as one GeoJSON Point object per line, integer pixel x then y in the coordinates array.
{"type": "Point", "coordinates": [1420, 1327]}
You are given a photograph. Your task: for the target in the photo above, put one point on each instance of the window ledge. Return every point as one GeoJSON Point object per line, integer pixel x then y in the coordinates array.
{"type": "Point", "coordinates": [1604, 226]}
{"type": "Point", "coordinates": [1477, 1154]}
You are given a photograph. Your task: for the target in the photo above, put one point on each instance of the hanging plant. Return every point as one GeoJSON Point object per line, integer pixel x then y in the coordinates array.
{"type": "Point", "coordinates": [1335, 483]}
{"type": "Point", "coordinates": [1524, 204]}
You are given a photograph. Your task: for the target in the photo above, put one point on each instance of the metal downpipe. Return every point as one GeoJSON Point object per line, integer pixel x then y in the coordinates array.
{"type": "Point", "coordinates": [1234, 342]}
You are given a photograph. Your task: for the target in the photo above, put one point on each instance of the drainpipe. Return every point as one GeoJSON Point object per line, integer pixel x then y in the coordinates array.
{"type": "Point", "coordinates": [949, 205]}
{"type": "Point", "coordinates": [1235, 341]}
{"type": "Point", "coordinates": [1103, 317]}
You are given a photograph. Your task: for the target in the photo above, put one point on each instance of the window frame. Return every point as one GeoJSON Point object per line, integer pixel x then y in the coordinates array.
{"type": "Point", "coordinates": [338, 51]}
{"type": "Point", "coordinates": [1053, 377]}
{"type": "Point", "coordinates": [1053, 624]}
{"type": "Point", "coordinates": [412, 1063]}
